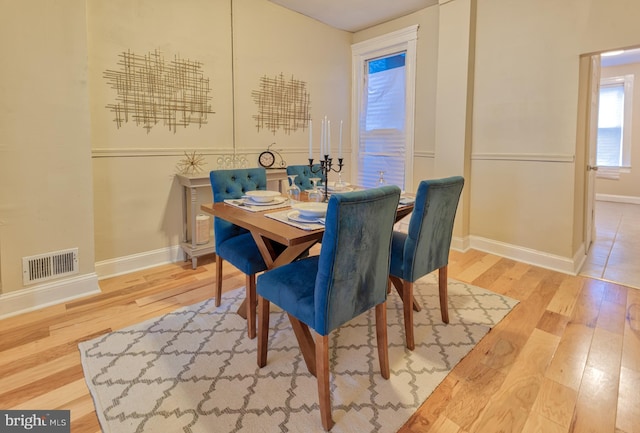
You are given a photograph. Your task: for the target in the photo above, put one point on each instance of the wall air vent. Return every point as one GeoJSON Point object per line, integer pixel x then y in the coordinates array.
{"type": "Point", "coordinates": [48, 266]}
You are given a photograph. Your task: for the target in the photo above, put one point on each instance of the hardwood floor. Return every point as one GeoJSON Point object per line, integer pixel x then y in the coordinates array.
{"type": "Point", "coordinates": [567, 359]}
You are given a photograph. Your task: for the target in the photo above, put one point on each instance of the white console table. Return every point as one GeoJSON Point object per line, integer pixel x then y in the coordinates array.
{"type": "Point", "coordinates": [190, 209]}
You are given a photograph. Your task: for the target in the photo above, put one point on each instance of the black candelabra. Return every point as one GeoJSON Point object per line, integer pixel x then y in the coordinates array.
{"type": "Point", "coordinates": [326, 166]}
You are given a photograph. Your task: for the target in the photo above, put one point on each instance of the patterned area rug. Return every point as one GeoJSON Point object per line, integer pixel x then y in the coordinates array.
{"type": "Point", "coordinates": [194, 370]}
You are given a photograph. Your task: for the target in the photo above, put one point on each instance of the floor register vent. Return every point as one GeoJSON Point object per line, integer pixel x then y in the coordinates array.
{"type": "Point", "coordinates": [47, 266]}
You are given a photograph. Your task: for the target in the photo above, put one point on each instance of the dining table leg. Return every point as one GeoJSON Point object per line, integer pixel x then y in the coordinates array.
{"type": "Point", "coordinates": [306, 343]}
{"type": "Point", "coordinates": [273, 260]}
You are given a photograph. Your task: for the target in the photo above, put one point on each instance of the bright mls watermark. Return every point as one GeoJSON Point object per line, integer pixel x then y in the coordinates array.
{"type": "Point", "coordinates": [37, 421]}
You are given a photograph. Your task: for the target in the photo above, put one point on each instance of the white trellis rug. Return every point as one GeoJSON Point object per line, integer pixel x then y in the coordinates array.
{"type": "Point", "coordinates": [194, 370]}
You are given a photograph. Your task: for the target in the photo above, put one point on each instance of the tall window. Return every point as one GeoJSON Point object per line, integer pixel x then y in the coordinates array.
{"type": "Point", "coordinates": [383, 108]}
{"type": "Point", "coordinates": [382, 129]}
{"type": "Point", "coordinates": [614, 122]}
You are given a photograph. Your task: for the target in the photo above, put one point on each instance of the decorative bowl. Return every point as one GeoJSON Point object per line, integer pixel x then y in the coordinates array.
{"type": "Point", "coordinates": [262, 196]}
{"type": "Point", "coordinates": [311, 209]}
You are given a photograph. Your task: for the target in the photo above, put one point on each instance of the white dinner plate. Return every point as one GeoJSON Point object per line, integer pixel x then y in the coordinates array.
{"type": "Point", "coordinates": [295, 216]}
{"type": "Point", "coordinates": [274, 201]}
{"type": "Point", "coordinates": [262, 196]}
{"type": "Point", "coordinates": [311, 209]}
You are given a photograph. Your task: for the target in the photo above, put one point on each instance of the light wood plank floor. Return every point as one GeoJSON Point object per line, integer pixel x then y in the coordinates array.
{"type": "Point", "coordinates": [567, 359]}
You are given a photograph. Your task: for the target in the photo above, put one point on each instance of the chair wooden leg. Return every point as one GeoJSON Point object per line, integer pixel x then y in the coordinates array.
{"type": "Point", "coordinates": [263, 330]}
{"type": "Point", "coordinates": [218, 280]}
{"type": "Point", "coordinates": [407, 293]}
{"type": "Point", "coordinates": [324, 394]}
{"type": "Point", "coordinates": [251, 306]}
{"type": "Point", "coordinates": [381, 337]}
{"type": "Point", "coordinates": [442, 286]}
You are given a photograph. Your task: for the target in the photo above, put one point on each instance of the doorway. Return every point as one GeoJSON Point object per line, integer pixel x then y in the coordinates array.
{"type": "Point", "coordinates": [612, 187]}
{"type": "Point", "coordinates": [616, 246]}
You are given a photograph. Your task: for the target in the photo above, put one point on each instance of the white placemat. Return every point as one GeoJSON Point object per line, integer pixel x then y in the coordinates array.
{"type": "Point", "coordinates": [282, 216]}
{"type": "Point", "coordinates": [247, 205]}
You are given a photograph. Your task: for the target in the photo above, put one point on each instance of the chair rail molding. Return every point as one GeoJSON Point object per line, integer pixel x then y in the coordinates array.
{"type": "Point", "coordinates": [618, 198]}
{"type": "Point", "coordinates": [535, 157]}
{"type": "Point", "coordinates": [117, 152]}
{"type": "Point", "coordinates": [424, 154]}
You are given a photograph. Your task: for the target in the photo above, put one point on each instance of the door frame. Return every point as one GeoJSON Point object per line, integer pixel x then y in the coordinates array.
{"type": "Point", "coordinates": [400, 40]}
{"type": "Point", "coordinates": [591, 151]}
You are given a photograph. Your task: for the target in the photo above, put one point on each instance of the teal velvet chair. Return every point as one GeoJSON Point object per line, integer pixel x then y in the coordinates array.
{"type": "Point", "coordinates": [425, 247]}
{"type": "Point", "coordinates": [303, 174]}
{"type": "Point", "coordinates": [349, 277]}
{"type": "Point", "coordinates": [235, 244]}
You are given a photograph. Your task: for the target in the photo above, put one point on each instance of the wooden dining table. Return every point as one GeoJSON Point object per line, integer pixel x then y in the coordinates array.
{"type": "Point", "coordinates": [267, 231]}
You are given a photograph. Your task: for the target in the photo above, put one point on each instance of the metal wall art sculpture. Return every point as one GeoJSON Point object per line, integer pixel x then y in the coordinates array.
{"type": "Point", "coordinates": [150, 90]}
{"type": "Point", "coordinates": [281, 104]}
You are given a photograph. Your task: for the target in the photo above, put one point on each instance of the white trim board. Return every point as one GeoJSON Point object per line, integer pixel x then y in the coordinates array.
{"type": "Point", "coordinates": [529, 157]}
{"type": "Point", "coordinates": [565, 265]}
{"type": "Point", "coordinates": [65, 290]}
{"type": "Point", "coordinates": [48, 294]}
{"type": "Point", "coordinates": [618, 198]}
{"type": "Point", "coordinates": [137, 262]}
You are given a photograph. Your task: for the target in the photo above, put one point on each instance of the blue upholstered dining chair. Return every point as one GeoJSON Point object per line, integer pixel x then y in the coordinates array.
{"type": "Point", "coordinates": [349, 277]}
{"type": "Point", "coordinates": [235, 244]}
{"type": "Point", "coordinates": [425, 247]}
{"type": "Point", "coordinates": [303, 174]}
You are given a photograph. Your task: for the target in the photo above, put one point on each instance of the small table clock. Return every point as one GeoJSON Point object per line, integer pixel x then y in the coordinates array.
{"type": "Point", "coordinates": [268, 158]}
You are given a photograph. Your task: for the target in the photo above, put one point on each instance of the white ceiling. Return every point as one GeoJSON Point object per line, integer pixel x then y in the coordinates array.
{"type": "Point", "coordinates": [355, 15]}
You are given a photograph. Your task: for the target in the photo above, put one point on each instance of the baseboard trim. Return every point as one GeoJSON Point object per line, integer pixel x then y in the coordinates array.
{"type": "Point", "coordinates": [618, 198]}
{"type": "Point", "coordinates": [460, 244]}
{"type": "Point", "coordinates": [48, 294]}
{"type": "Point", "coordinates": [137, 262]}
{"type": "Point", "coordinates": [149, 259]}
{"type": "Point", "coordinates": [554, 262]}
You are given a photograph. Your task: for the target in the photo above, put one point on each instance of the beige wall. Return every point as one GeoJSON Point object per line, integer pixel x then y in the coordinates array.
{"type": "Point", "coordinates": [629, 183]}
{"type": "Point", "coordinates": [64, 164]}
{"type": "Point", "coordinates": [525, 115]}
{"type": "Point", "coordinates": [137, 200]}
{"type": "Point", "coordinates": [46, 201]}
{"type": "Point", "coordinates": [270, 40]}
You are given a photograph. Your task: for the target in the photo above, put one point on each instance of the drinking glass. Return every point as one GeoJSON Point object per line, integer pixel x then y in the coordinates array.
{"type": "Point", "coordinates": [381, 180]}
{"type": "Point", "coordinates": [293, 191]}
{"type": "Point", "coordinates": [314, 193]}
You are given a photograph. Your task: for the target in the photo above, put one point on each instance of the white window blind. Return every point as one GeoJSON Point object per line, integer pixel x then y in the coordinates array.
{"type": "Point", "coordinates": [610, 123]}
{"type": "Point", "coordinates": [614, 122]}
{"type": "Point", "coordinates": [382, 137]}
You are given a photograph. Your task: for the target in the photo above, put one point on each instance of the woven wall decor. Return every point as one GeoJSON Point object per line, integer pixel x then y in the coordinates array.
{"type": "Point", "coordinates": [282, 104]}
{"type": "Point", "coordinates": [150, 90]}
